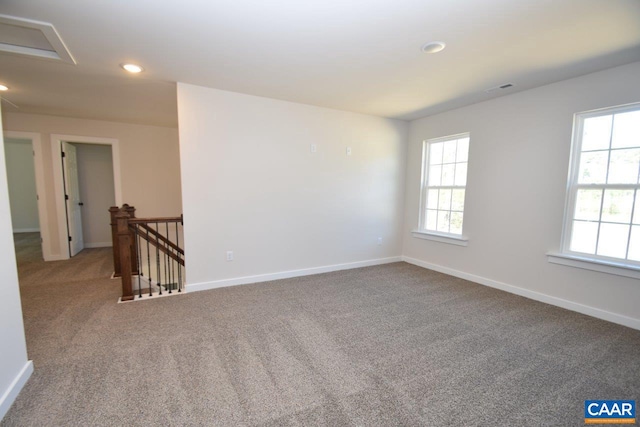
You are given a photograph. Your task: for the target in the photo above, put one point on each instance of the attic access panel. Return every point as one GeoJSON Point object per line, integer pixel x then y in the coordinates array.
{"type": "Point", "coordinates": [37, 39]}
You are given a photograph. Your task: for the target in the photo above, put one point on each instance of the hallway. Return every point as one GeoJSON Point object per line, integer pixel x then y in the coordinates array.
{"type": "Point", "coordinates": [60, 293]}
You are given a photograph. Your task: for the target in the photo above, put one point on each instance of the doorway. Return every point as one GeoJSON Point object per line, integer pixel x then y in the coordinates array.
{"type": "Point", "coordinates": [23, 152]}
{"type": "Point", "coordinates": [87, 183]}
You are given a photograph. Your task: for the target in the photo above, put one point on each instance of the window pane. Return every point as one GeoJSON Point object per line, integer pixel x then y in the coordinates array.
{"type": "Point", "coordinates": [596, 133]}
{"type": "Point", "coordinates": [616, 206]}
{"type": "Point", "coordinates": [584, 236]}
{"type": "Point", "coordinates": [457, 200]}
{"type": "Point", "coordinates": [634, 244]}
{"type": "Point", "coordinates": [447, 174]}
{"type": "Point", "coordinates": [444, 201]}
{"type": "Point", "coordinates": [435, 173]}
{"type": "Point", "coordinates": [461, 174]}
{"type": "Point", "coordinates": [456, 223]}
{"type": "Point", "coordinates": [593, 167]}
{"type": "Point", "coordinates": [626, 130]}
{"type": "Point", "coordinates": [435, 153]}
{"type": "Point", "coordinates": [588, 205]}
{"type": "Point", "coordinates": [449, 152]}
{"type": "Point", "coordinates": [443, 221]}
{"type": "Point", "coordinates": [432, 219]}
{"type": "Point", "coordinates": [623, 166]}
{"type": "Point", "coordinates": [606, 214]}
{"type": "Point", "coordinates": [613, 240]}
{"type": "Point", "coordinates": [463, 150]}
{"type": "Point", "coordinates": [432, 199]}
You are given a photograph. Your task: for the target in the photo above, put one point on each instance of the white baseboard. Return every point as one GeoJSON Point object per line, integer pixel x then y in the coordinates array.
{"type": "Point", "coordinates": [26, 230]}
{"type": "Point", "coordinates": [98, 245]}
{"type": "Point", "coordinates": [287, 274]}
{"type": "Point", "coordinates": [10, 395]}
{"type": "Point", "coordinates": [548, 299]}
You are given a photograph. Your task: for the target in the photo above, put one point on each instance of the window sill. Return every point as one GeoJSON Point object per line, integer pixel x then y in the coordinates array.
{"type": "Point", "coordinates": [443, 238]}
{"type": "Point", "coordinates": [586, 263]}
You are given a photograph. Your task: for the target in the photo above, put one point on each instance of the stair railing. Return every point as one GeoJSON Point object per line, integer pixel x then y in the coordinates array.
{"type": "Point", "coordinates": [147, 253]}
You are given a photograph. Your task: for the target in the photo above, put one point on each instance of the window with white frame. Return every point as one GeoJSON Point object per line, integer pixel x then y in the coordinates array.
{"type": "Point", "coordinates": [444, 179]}
{"type": "Point", "coordinates": [602, 218]}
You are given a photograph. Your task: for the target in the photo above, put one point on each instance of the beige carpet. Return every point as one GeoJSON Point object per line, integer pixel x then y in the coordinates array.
{"type": "Point", "coordinates": [386, 345]}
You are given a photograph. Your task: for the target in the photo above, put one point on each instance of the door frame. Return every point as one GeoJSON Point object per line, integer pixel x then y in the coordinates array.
{"type": "Point", "coordinates": [58, 183]}
{"type": "Point", "coordinates": [38, 165]}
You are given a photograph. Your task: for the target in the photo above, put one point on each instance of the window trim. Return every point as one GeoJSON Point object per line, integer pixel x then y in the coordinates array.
{"type": "Point", "coordinates": [580, 259]}
{"type": "Point", "coordinates": [588, 263]}
{"type": "Point", "coordinates": [420, 231]}
{"type": "Point", "coordinates": [452, 239]}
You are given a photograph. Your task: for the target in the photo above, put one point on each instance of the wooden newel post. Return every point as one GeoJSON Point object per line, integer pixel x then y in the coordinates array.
{"type": "Point", "coordinates": [124, 246]}
{"type": "Point", "coordinates": [117, 268]}
{"type": "Point", "coordinates": [113, 211]}
{"type": "Point", "coordinates": [134, 242]}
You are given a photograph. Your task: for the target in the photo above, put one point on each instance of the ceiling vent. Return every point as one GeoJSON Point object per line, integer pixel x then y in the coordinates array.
{"type": "Point", "coordinates": [501, 87]}
{"type": "Point", "coordinates": [32, 38]}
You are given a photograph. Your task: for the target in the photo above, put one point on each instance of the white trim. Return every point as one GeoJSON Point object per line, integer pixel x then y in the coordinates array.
{"type": "Point", "coordinates": [38, 163]}
{"type": "Point", "coordinates": [26, 230]}
{"type": "Point", "coordinates": [610, 267]}
{"type": "Point", "coordinates": [193, 287]}
{"type": "Point", "coordinates": [98, 245]}
{"type": "Point", "coordinates": [572, 177]}
{"type": "Point", "coordinates": [548, 299]}
{"type": "Point", "coordinates": [443, 238]}
{"type": "Point", "coordinates": [424, 175]}
{"type": "Point", "coordinates": [56, 140]}
{"type": "Point", "coordinates": [10, 395]}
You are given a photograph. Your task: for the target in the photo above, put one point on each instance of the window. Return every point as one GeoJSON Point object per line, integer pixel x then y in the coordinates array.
{"type": "Point", "coordinates": [444, 178]}
{"type": "Point", "coordinates": [602, 219]}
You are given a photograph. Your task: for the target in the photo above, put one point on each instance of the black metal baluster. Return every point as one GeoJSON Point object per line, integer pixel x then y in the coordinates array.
{"type": "Point", "coordinates": [166, 264]}
{"type": "Point", "coordinates": [171, 260]}
{"type": "Point", "coordinates": [178, 257]}
{"type": "Point", "coordinates": [148, 257]}
{"type": "Point", "coordinates": [138, 260]}
{"type": "Point", "coordinates": [158, 257]}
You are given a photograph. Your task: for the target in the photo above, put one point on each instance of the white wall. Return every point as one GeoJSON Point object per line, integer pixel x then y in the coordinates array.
{"type": "Point", "coordinates": [149, 158]}
{"type": "Point", "coordinates": [97, 192]}
{"type": "Point", "coordinates": [251, 184]}
{"type": "Point", "coordinates": [14, 367]}
{"type": "Point", "coordinates": [519, 159]}
{"type": "Point", "coordinates": [22, 184]}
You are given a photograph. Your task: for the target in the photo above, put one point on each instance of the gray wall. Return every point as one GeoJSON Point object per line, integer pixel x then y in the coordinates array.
{"type": "Point", "coordinates": [517, 180]}
{"type": "Point", "coordinates": [252, 185]}
{"type": "Point", "coordinates": [22, 185]}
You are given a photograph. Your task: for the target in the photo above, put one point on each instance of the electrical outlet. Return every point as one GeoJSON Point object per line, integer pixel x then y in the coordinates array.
{"type": "Point", "coordinates": [379, 241]}
{"type": "Point", "coordinates": [314, 148]}
{"type": "Point", "coordinates": [229, 255]}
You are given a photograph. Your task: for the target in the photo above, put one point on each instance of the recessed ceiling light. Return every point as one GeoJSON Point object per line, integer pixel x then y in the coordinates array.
{"type": "Point", "coordinates": [3, 88]}
{"type": "Point", "coordinates": [433, 47]}
{"type": "Point", "coordinates": [132, 68]}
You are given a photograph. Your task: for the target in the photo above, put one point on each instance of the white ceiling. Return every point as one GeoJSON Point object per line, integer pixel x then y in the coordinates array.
{"type": "Point", "coordinates": [356, 55]}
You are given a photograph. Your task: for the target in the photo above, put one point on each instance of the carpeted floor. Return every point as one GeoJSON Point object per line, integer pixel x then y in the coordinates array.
{"type": "Point", "coordinates": [386, 345]}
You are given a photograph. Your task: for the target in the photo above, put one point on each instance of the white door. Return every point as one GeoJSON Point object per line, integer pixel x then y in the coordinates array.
{"type": "Point", "coordinates": [72, 196]}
